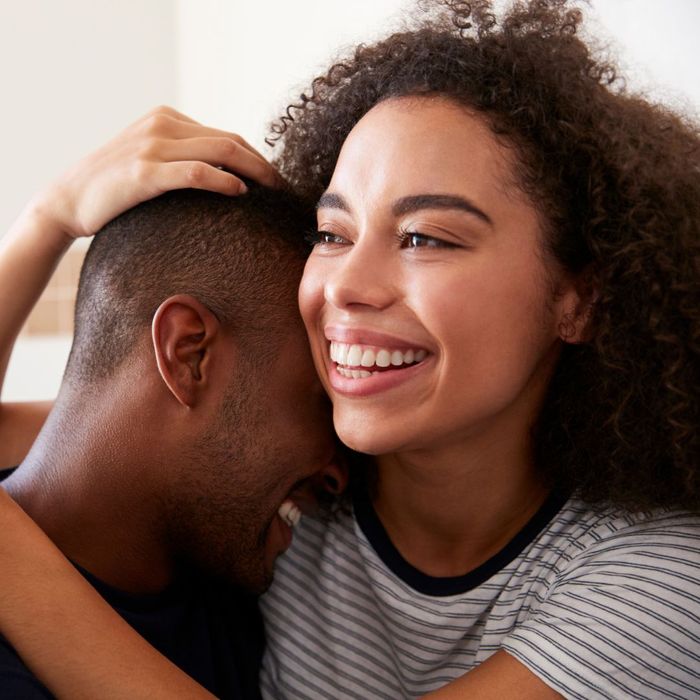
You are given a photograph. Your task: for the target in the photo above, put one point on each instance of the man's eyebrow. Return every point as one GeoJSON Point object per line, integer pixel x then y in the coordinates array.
{"type": "Point", "coordinates": [408, 205]}
{"type": "Point", "coordinates": [329, 200]}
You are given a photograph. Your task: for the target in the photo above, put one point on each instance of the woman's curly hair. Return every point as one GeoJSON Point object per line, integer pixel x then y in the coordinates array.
{"type": "Point", "coordinates": [616, 178]}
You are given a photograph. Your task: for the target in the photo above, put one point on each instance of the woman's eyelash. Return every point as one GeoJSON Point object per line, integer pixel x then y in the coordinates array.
{"type": "Point", "coordinates": [406, 237]}
{"type": "Point", "coordinates": [317, 237]}
{"type": "Point", "coordinates": [312, 237]}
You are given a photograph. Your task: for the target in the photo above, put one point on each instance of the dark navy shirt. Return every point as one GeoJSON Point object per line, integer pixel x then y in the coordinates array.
{"type": "Point", "coordinates": [210, 630]}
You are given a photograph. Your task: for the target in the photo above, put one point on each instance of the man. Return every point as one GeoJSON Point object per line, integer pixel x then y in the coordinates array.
{"type": "Point", "coordinates": [189, 421]}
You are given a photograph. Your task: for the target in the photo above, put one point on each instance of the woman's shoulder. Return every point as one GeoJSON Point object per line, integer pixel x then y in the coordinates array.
{"type": "Point", "coordinates": [622, 601]}
{"type": "Point", "coordinates": [593, 534]}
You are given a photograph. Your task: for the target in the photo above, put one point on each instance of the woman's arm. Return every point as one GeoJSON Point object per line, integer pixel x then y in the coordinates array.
{"type": "Point", "coordinates": [164, 150]}
{"type": "Point", "coordinates": [29, 253]}
{"type": "Point", "coordinates": [20, 423]}
{"type": "Point", "coordinates": [500, 677]}
{"type": "Point", "coordinates": [65, 632]}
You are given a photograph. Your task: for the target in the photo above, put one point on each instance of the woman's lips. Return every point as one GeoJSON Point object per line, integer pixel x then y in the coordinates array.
{"type": "Point", "coordinates": [366, 336]}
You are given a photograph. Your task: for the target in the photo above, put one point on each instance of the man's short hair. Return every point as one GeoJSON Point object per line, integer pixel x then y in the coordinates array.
{"type": "Point", "coordinates": [240, 257]}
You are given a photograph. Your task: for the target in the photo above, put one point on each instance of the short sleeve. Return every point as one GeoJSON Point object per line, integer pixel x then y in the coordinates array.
{"type": "Point", "coordinates": [622, 620]}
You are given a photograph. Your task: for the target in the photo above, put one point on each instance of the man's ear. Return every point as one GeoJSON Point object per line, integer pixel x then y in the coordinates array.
{"type": "Point", "coordinates": [183, 332]}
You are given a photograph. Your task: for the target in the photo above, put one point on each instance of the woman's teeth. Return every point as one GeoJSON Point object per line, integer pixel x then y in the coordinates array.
{"type": "Point", "coordinates": [353, 373]}
{"type": "Point", "coordinates": [349, 357]}
{"type": "Point", "coordinates": [290, 513]}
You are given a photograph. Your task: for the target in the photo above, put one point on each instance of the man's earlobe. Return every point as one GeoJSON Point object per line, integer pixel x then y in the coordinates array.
{"type": "Point", "coordinates": [183, 331]}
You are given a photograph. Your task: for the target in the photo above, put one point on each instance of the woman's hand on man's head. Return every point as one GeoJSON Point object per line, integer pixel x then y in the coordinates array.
{"type": "Point", "coordinates": [162, 151]}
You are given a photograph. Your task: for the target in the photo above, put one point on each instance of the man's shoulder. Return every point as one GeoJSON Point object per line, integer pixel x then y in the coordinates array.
{"type": "Point", "coordinates": [16, 680]}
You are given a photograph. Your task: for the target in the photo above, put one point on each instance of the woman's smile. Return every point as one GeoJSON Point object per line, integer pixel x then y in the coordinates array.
{"type": "Point", "coordinates": [362, 361]}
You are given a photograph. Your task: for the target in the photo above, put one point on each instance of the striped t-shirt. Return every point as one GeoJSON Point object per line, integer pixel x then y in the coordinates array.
{"type": "Point", "coordinates": [597, 602]}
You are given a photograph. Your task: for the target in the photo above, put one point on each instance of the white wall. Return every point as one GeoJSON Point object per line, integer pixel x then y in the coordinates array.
{"type": "Point", "coordinates": [72, 73]}
{"type": "Point", "coordinates": [36, 368]}
{"type": "Point", "coordinates": [240, 60]}
{"type": "Point", "coordinates": [657, 44]}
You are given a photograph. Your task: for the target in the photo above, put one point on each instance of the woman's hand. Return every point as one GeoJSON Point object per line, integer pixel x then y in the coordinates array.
{"type": "Point", "coordinates": [162, 151]}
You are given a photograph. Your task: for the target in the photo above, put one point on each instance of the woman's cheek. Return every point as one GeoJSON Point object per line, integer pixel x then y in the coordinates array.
{"type": "Point", "coordinates": [310, 296]}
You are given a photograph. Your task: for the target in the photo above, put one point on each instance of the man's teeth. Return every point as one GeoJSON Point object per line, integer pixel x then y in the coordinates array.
{"type": "Point", "coordinates": [290, 513]}
{"type": "Point", "coordinates": [351, 356]}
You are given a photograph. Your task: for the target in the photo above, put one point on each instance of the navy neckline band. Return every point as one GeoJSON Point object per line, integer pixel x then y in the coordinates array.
{"type": "Point", "coordinates": [374, 531]}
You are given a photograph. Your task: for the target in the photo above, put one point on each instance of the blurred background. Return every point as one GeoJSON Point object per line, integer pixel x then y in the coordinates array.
{"type": "Point", "coordinates": [75, 72]}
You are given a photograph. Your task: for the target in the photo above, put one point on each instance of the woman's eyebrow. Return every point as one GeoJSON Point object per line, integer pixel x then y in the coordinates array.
{"type": "Point", "coordinates": [408, 205]}
{"type": "Point", "coordinates": [413, 203]}
{"type": "Point", "coordinates": [329, 200]}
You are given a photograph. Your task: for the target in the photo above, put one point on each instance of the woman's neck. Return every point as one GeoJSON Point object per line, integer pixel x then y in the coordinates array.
{"type": "Point", "coordinates": [450, 509]}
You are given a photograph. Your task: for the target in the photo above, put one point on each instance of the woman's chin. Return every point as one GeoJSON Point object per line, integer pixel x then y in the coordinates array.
{"type": "Point", "coordinates": [365, 436]}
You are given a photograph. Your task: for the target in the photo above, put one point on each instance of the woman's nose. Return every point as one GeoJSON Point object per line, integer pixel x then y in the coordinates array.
{"type": "Point", "coordinates": [362, 277]}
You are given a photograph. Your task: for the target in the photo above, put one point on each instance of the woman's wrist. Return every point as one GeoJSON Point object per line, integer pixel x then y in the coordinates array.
{"type": "Point", "coordinates": [41, 228]}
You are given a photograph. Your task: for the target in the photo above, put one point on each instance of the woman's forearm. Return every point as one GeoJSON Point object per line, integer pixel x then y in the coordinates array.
{"type": "Point", "coordinates": [29, 253]}
{"type": "Point", "coordinates": [68, 636]}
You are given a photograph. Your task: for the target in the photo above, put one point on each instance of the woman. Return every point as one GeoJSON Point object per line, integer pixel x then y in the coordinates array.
{"type": "Point", "coordinates": [502, 303]}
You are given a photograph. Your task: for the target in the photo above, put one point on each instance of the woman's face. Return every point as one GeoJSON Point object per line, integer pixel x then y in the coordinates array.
{"type": "Point", "coordinates": [431, 311]}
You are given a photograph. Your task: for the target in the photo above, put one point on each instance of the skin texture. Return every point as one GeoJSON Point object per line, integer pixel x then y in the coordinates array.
{"type": "Point", "coordinates": [456, 479]}
{"type": "Point", "coordinates": [35, 579]}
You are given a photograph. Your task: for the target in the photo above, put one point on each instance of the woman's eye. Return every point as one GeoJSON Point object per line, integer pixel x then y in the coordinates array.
{"type": "Point", "coordinates": [323, 237]}
{"type": "Point", "coordinates": [421, 240]}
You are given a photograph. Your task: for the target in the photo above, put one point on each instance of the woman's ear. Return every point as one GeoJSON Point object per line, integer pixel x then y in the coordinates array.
{"type": "Point", "coordinates": [183, 332]}
{"type": "Point", "coordinates": [575, 320]}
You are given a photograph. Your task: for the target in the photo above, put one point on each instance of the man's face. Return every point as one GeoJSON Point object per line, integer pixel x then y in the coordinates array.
{"type": "Point", "coordinates": [273, 432]}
